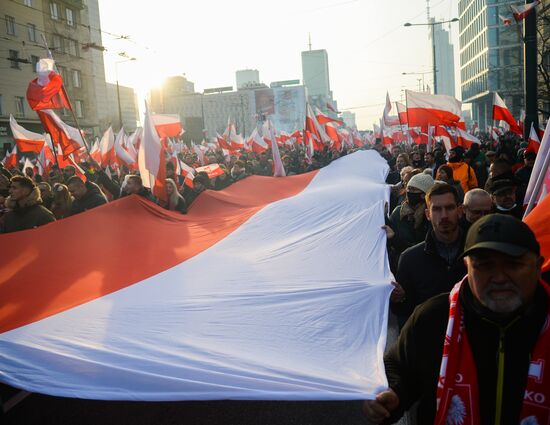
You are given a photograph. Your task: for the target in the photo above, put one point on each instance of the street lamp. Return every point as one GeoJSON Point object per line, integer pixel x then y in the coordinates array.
{"type": "Point", "coordinates": [123, 54]}
{"type": "Point", "coordinates": [419, 73]}
{"type": "Point", "coordinates": [432, 24]}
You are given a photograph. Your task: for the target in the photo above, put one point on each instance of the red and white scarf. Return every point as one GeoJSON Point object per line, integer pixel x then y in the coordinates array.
{"type": "Point", "coordinates": [457, 398]}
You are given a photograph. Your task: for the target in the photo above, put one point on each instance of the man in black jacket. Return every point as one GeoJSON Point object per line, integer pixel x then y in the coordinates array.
{"type": "Point", "coordinates": [25, 206]}
{"type": "Point", "coordinates": [86, 195]}
{"type": "Point", "coordinates": [433, 266]}
{"type": "Point", "coordinates": [501, 308]}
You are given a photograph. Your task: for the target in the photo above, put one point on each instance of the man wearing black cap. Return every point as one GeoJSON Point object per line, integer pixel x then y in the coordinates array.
{"type": "Point", "coordinates": [477, 355]}
{"type": "Point", "coordinates": [503, 193]}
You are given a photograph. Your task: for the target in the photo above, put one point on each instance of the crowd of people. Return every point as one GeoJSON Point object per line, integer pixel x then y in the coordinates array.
{"type": "Point", "coordinates": [467, 295]}
{"type": "Point", "coordinates": [30, 200]}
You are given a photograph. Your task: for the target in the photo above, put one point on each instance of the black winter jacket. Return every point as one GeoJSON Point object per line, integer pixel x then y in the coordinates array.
{"type": "Point", "coordinates": [423, 273]}
{"type": "Point", "coordinates": [413, 362]}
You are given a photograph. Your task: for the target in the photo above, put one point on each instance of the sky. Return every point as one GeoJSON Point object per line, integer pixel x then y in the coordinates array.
{"type": "Point", "coordinates": [207, 41]}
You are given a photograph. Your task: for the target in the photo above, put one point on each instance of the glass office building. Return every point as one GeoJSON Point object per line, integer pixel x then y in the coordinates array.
{"type": "Point", "coordinates": [491, 58]}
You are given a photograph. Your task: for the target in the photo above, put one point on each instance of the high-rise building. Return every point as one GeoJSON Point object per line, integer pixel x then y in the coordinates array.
{"type": "Point", "coordinates": [444, 60]}
{"type": "Point", "coordinates": [247, 78]}
{"type": "Point", "coordinates": [316, 78]}
{"type": "Point", "coordinates": [491, 58]}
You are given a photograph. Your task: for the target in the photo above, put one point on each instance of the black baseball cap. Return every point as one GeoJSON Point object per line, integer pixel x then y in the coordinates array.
{"type": "Point", "coordinates": [500, 185]}
{"type": "Point", "coordinates": [502, 233]}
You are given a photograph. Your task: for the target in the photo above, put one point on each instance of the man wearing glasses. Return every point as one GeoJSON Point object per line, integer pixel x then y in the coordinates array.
{"type": "Point", "coordinates": [477, 203]}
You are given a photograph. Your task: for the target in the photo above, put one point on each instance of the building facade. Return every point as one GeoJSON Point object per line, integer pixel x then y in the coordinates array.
{"type": "Point", "coordinates": [247, 77]}
{"type": "Point", "coordinates": [349, 119]}
{"type": "Point", "coordinates": [491, 58]}
{"type": "Point", "coordinates": [444, 60]}
{"type": "Point", "coordinates": [246, 108]}
{"type": "Point", "coordinates": [72, 30]}
{"type": "Point", "coordinates": [128, 112]}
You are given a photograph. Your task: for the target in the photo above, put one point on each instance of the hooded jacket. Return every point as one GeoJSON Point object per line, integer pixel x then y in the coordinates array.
{"type": "Point", "coordinates": [464, 174]}
{"type": "Point", "coordinates": [26, 213]}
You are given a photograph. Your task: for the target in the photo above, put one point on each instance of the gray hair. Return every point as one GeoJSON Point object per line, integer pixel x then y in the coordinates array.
{"type": "Point", "coordinates": [475, 192]}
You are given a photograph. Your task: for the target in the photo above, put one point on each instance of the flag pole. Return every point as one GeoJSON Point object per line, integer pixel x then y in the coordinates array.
{"type": "Point", "coordinates": [50, 56]}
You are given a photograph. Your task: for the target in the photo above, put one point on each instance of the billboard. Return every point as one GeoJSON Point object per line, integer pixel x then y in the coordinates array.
{"type": "Point", "coordinates": [265, 102]}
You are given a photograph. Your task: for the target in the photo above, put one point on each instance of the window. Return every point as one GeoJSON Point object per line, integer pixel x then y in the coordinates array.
{"type": "Point", "coordinates": [14, 59]}
{"type": "Point", "coordinates": [10, 25]}
{"type": "Point", "coordinates": [69, 14]}
{"type": "Point", "coordinates": [27, 3]}
{"type": "Point", "coordinates": [53, 11]}
{"type": "Point", "coordinates": [1, 105]}
{"type": "Point", "coordinates": [32, 32]}
{"type": "Point", "coordinates": [78, 108]}
{"type": "Point", "coordinates": [63, 72]}
{"type": "Point", "coordinates": [19, 106]}
{"type": "Point", "coordinates": [76, 78]}
{"type": "Point", "coordinates": [71, 49]}
{"type": "Point", "coordinates": [34, 62]}
{"type": "Point", "coordinates": [56, 42]}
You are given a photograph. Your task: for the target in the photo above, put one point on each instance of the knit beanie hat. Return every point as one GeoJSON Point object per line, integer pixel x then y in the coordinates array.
{"type": "Point", "coordinates": [421, 181]}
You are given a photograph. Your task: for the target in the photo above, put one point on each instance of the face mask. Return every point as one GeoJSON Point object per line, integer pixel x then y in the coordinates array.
{"type": "Point", "coordinates": [506, 209]}
{"type": "Point", "coordinates": [454, 159]}
{"type": "Point", "coordinates": [413, 199]}
{"type": "Point", "coordinates": [417, 164]}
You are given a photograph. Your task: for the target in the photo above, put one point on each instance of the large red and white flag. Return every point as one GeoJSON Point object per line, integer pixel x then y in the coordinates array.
{"type": "Point", "coordinates": [26, 140]}
{"type": "Point", "coordinates": [501, 112]}
{"type": "Point", "coordinates": [47, 91]}
{"type": "Point", "coordinates": [151, 158]}
{"type": "Point", "coordinates": [10, 160]}
{"type": "Point", "coordinates": [424, 109]}
{"type": "Point", "coordinates": [299, 312]}
{"type": "Point", "coordinates": [121, 153]}
{"type": "Point", "coordinates": [402, 113]}
{"type": "Point", "coordinates": [520, 12]}
{"type": "Point", "coordinates": [324, 119]}
{"type": "Point", "coordinates": [213, 170]}
{"type": "Point", "coordinates": [533, 143]}
{"type": "Point", "coordinates": [68, 138]}
{"type": "Point", "coordinates": [389, 120]}
{"type": "Point", "coordinates": [465, 139]}
{"type": "Point", "coordinates": [319, 136]}
{"type": "Point", "coordinates": [539, 182]}
{"type": "Point", "coordinates": [167, 125]}
{"type": "Point", "coordinates": [257, 143]}
{"type": "Point", "coordinates": [107, 147]}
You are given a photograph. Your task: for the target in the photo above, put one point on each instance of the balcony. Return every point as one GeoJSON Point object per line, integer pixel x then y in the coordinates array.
{"type": "Point", "coordinates": [75, 4]}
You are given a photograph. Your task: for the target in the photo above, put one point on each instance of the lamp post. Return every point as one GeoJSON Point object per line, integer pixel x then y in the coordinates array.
{"type": "Point", "coordinates": [118, 87]}
{"type": "Point", "coordinates": [422, 79]}
{"type": "Point", "coordinates": [432, 24]}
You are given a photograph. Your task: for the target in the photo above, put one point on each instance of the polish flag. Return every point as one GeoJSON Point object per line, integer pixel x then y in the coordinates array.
{"type": "Point", "coordinates": [107, 147]}
{"type": "Point", "coordinates": [46, 91]}
{"type": "Point", "coordinates": [539, 175]}
{"type": "Point", "coordinates": [520, 12]}
{"type": "Point", "coordinates": [151, 158]}
{"type": "Point", "coordinates": [425, 109]}
{"type": "Point", "coordinates": [95, 152]}
{"type": "Point", "coordinates": [188, 172]}
{"type": "Point", "coordinates": [332, 132]}
{"type": "Point", "coordinates": [28, 164]}
{"type": "Point", "coordinates": [200, 154]}
{"type": "Point", "coordinates": [278, 167]}
{"type": "Point", "coordinates": [533, 142]}
{"type": "Point", "coordinates": [320, 137]}
{"type": "Point", "coordinates": [505, 21]}
{"type": "Point", "coordinates": [26, 140]}
{"type": "Point", "coordinates": [121, 153]}
{"type": "Point", "coordinates": [501, 112]}
{"type": "Point", "coordinates": [213, 170]}
{"type": "Point", "coordinates": [402, 113]}
{"type": "Point", "coordinates": [465, 139]}
{"type": "Point", "coordinates": [303, 260]}
{"type": "Point", "coordinates": [324, 119]}
{"type": "Point", "coordinates": [445, 137]}
{"type": "Point", "coordinates": [68, 138]}
{"type": "Point", "coordinates": [257, 143]}
{"type": "Point", "coordinates": [167, 125]}
{"type": "Point", "coordinates": [10, 160]}
{"type": "Point", "coordinates": [389, 120]}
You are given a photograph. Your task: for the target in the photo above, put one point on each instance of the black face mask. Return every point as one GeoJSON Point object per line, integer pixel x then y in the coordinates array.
{"type": "Point", "coordinates": [455, 159]}
{"type": "Point", "coordinates": [413, 199]}
{"type": "Point", "coordinates": [417, 164]}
